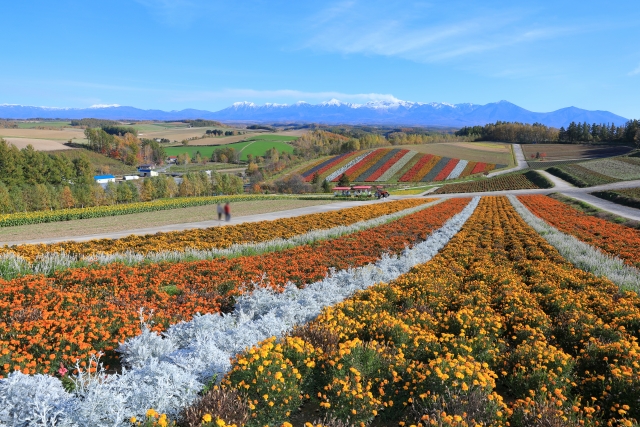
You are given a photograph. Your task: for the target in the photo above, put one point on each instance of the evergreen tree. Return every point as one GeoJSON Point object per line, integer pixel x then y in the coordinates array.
{"type": "Point", "coordinates": [343, 181]}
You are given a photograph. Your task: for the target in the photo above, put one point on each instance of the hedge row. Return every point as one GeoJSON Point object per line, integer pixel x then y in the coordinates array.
{"type": "Point", "coordinates": [618, 198]}
{"type": "Point", "coordinates": [567, 177]}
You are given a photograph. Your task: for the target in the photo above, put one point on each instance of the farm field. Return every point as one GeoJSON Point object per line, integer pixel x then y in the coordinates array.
{"type": "Point", "coordinates": [64, 134]}
{"type": "Point", "coordinates": [38, 144]}
{"type": "Point", "coordinates": [256, 145]}
{"type": "Point", "coordinates": [485, 343]}
{"type": "Point", "coordinates": [556, 152]}
{"type": "Point", "coordinates": [486, 152]}
{"type": "Point", "coordinates": [48, 124]}
{"type": "Point", "coordinates": [598, 172]}
{"type": "Point", "coordinates": [476, 320]}
{"type": "Point", "coordinates": [390, 165]}
{"type": "Point", "coordinates": [90, 226]}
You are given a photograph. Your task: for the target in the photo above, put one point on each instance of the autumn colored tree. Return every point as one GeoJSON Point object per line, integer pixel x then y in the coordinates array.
{"type": "Point", "coordinates": [66, 198]}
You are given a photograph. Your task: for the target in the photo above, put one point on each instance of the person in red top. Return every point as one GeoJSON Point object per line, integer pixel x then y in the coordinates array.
{"type": "Point", "coordinates": [227, 212]}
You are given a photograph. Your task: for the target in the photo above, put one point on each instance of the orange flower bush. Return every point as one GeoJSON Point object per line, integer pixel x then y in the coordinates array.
{"type": "Point", "coordinates": [615, 239]}
{"type": "Point", "coordinates": [48, 321]}
{"type": "Point", "coordinates": [497, 329]}
{"type": "Point", "coordinates": [217, 237]}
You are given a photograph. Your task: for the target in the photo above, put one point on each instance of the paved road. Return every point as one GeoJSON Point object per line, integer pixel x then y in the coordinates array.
{"type": "Point", "coordinates": [206, 224]}
{"type": "Point", "coordinates": [520, 158]}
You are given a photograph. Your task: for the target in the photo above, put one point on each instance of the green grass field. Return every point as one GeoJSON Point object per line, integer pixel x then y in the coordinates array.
{"type": "Point", "coordinates": [51, 124]}
{"type": "Point", "coordinates": [256, 146]}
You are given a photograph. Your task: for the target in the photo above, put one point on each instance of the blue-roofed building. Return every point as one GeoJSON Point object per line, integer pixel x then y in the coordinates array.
{"type": "Point", "coordinates": [104, 179]}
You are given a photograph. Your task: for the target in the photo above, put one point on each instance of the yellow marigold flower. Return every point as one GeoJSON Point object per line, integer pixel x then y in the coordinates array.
{"type": "Point", "coordinates": [206, 418]}
{"type": "Point", "coordinates": [151, 413]}
{"type": "Point", "coordinates": [133, 420]}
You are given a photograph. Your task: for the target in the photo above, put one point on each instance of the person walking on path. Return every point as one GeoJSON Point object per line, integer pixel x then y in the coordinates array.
{"type": "Point", "coordinates": [220, 211]}
{"type": "Point", "coordinates": [227, 212]}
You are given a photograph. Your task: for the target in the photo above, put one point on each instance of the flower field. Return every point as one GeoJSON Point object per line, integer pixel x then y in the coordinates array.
{"type": "Point", "coordinates": [36, 217]}
{"type": "Point", "coordinates": [616, 240]}
{"type": "Point", "coordinates": [79, 312]}
{"type": "Point", "coordinates": [504, 182]}
{"type": "Point", "coordinates": [457, 313]}
{"type": "Point", "coordinates": [215, 237]}
{"type": "Point", "coordinates": [395, 165]}
{"type": "Point", "coordinates": [498, 329]}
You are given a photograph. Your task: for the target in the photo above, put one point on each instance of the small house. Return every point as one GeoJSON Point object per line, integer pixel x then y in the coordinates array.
{"type": "Point", "coordinates": [172, 160]}
{"type": "Point", "coordinates": [104, 179]}
{"type": "Point", "coordinates": [131, 177]}
{"type": "Point", "coordinates": [147, 172]}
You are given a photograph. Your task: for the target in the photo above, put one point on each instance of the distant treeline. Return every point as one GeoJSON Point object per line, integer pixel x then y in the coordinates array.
{"type": "Point", "coordinates": [200, 123]}
{"type": "Point", "coordinates": [263, 127]}
{"type": "Point", "coordinates": [94, 123]}
{"type": "Point", "coordinates": [539, 133]}
{"type": "Point", "coordinates": [577, 132]}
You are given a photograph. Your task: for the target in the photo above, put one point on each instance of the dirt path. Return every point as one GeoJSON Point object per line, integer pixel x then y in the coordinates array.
{"type": "Point", "coordinates": [522, 162]}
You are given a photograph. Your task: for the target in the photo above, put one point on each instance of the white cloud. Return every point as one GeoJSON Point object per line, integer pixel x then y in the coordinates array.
{"type": "Point", "coordinates": [423, 32]}
{"type": "Point", "coordinates": [635, 72]}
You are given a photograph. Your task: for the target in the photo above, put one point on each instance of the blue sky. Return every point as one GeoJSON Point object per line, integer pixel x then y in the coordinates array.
{"type": "Point", "coordinates": [175, 54]}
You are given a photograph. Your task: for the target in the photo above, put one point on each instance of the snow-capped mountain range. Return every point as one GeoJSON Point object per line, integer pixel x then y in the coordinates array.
{"type": "Point", "coordinates": [332, 112]}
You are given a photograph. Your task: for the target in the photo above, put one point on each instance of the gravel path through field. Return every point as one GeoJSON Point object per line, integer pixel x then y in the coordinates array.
{"type": "Point", "coordinates": [520, 158]}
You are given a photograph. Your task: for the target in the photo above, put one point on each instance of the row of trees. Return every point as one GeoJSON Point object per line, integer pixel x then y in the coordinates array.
{"type": "Point", "coordinates": [584, 132]}
{"type": "Point", "coordinates": [25, 198]}
{"type": "Point", "coordinates": [30, 167]}
{"type": "Point", "coordinates": [510, 132]}
{"type": "Point", "coordinates": [538, 133]}
{"type": "Point", "coordinates": [218, 132]}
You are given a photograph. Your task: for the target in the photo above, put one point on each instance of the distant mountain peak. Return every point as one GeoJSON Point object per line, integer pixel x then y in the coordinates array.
{"type": "Point", "coordinates": [105, 106]}
{"type": "Point", "coordinates": [334, 111]}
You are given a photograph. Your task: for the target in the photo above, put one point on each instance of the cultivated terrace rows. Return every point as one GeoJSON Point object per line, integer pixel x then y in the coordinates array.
{"type": "Point", "coordinates": [451, 313]}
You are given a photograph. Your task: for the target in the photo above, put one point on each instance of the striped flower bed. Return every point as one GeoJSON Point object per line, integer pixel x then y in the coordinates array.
{"type": "Point", "coordinates": [335, 175]}
{"type": "Point", "coordinates": [413, 173]}
{"type": "Point", "coordinates": [314, 167]}
{"type": "Point", "coordinates": [480, 166]}
{"type": "Point", "coordinates": [455, 173]}
{"type": "Point", "coordinates": [391, 158]}
{"type": "Point", "coordinates": [448, 168]}
{"type": "Point", "coordinates": [365, 164]}
{"type": "Point", "coordinates": [408, 156]}
{"type": "Point", "coordinates": [356, 166]}
{"type": "Point", "coordinates": [433, 173]}
{"type": "Point", "coordinates": [323, 167]}
{"type": "Point", "coordinates": [467, 170]}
